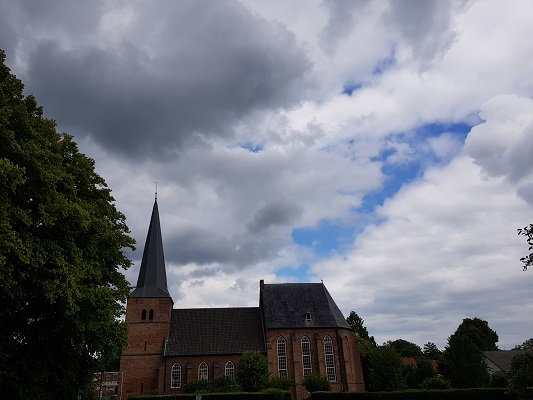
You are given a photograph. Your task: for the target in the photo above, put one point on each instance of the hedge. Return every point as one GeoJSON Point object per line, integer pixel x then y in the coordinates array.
{"type": "Point", "coordinates": [269, 394]}
{"type": "Point", "coordinates": [449, 394]}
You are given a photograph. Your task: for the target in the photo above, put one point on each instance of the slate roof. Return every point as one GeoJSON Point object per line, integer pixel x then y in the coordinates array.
{"type": "Point", "coordinates": [152, 281]}
{"type": "Point", "coordinates": [502, 358]}
{"type": "Point", "coordinates": [285, 305]}
{"type": "Point", "coordinates": [212, 331]}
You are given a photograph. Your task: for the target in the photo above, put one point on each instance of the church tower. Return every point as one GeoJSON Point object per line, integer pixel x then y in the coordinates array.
{"type": "Point", "coordinates": [148, 313]}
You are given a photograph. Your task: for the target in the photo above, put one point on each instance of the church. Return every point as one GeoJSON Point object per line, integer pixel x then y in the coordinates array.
{"type": "Point", "coordinates": [297, 326]}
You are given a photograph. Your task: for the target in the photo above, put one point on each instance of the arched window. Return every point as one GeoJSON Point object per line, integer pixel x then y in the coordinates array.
{"type": "Point", "coordinates": [230, 369]}
{"type": "Point", "coordinates": [330, 360]}
{"type": "Point", "coordinates": [143, 314]}
{"type": "Point", "coordinates": [282, 357]}
{"type": "Point", "coordinates": [175, 376]}
{"type": "Point", "coordinates": [151, 314]}
{"type": "Point", "coordinates": [306, 356]}
{"type": "Point", "coordinates": [203, 371]}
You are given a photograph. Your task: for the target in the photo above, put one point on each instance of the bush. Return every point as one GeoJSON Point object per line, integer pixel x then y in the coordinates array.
{"type": "Point", "coordinates": [451, 394]}
{"type": "Point", "coordinates": [252, 372]}
{"type": "Point", "coordinates": [196, 386]}
{"type": "Point", "coordinates": [435, 383]}
{"type": "Point", "coordinates": [281, 383]}
{"type": "Point", "coordinates": [316, 383]}
{"type": "Point", "coordinates": [499, 380]}
{"type": "Point", "coordinates": [223, 384]}
{"type": "Point", "coordinates": [277, 394]}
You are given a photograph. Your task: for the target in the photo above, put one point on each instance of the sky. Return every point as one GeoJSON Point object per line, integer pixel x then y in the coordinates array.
{"type": "Point", "coordinates": [383, 147]}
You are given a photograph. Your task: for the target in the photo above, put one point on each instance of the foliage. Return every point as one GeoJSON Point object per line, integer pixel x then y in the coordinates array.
{"type": "Point", "coordinates": [499, 380]}
{"type": "Point", "coordinates": [405, 349]}
{"type": "Point", "coordinates": [223, 384]}
{"type": "Point", "coordinates": [356, 323]}
{"type": "Point", "coordinates": [435, 383]}
{"type": "Point", "coordinates": [252, 372]}
{"type": "Point", "coordinates": [527, 345]}
{"type": "Point", "coordinates": [431, 351]}
{"type": "Point", "coordinates": [316, 383]}
{"type": "Point", "coordinates": [280, 383]}
{"type": "Point", "coordinates": [521, 375]}
{"type": "Point", "coordinates": [451, 394]}
{"type": "Point", "coordinates": [528, 233]}
{"type": "Point", "coordinates": [61, 242]}
{"type": "Point", "coordinates": [386, 370]}
{"type": "Point", "coordinates": [268, 394]}
{"type": "Point", "coordinates": [366, 344]}
{"type": "Point", "coordinates": [415, 375]}
{"type": "Point", "coordinates": [479, 332]}
{"type": "Point", "coordinates": [196, 386]}
{"type": "Point", "coordinates": [277, 394]}
{"type": "Point", "coordinates": [463, 363]}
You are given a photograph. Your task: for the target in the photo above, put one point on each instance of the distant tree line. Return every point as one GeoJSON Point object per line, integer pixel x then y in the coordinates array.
{"type": "Point", "coordinates": [400, 364]}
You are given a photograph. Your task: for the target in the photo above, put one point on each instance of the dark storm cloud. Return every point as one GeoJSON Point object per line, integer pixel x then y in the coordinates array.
{"type": "Point", "coordinates": [191, 69]}
{"type": "Point", "coordinates": [273, 214]}
{"type": "Point", "coordinates": [205, 247]}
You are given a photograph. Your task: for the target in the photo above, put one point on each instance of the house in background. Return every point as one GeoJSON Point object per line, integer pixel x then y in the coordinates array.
{"type": "Point", "coordinates": [297, 326]}
{"type": "Point", "coordinates": [500, 360]}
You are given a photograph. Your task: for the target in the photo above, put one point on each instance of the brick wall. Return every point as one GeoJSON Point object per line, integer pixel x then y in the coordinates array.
{"type": "Point", "coordinates": [348, 371]}
{"type": "Point", "coordinates": [147, 332]}
{"type": "Point", "coordinates": [189, 368]}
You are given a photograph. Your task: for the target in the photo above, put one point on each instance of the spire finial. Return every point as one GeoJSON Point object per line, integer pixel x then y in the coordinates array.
{"type": "Point", "coordinates": [156, 183]}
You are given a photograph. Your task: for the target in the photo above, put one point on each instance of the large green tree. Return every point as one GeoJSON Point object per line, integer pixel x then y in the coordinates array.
{"type": "Point", "coordinates": [405, 349]}
{"type": "Point", "coordinates": [61, 252]}
{"type": "Point", "coordinates": [366, 343]}
{"type": "Point", "coordinates": [386, 370]}
{"type": "Point", "coordinates": [528, 233]}
{"type": "Point", "coordinates": [431, 351]}
{"type": "Point", "coordinates": [521, 376]}
{"type": "Point", "coordinates": [462, 361]}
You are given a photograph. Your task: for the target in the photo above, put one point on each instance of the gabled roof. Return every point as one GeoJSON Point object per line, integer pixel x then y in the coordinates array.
{"type": "Point", "coordinates": [152, 281]}
{"type": "Point", "coordinates": [501, 359]}
{"type": "Point", "coordinates": [212, 331]}
{"type": "Point", "coordinates": [299, 305]}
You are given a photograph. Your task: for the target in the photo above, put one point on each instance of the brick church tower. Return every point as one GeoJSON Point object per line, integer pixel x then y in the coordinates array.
{"type": "Point", "coordinates": [148, 313]}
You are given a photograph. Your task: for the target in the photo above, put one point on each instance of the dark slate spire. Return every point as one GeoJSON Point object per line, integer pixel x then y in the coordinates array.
{"type": "Point", "coordinates": [152, 280]}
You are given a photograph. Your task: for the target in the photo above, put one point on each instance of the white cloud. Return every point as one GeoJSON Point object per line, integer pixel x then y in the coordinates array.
{"type": "Point", "coordinates": [174, 92]}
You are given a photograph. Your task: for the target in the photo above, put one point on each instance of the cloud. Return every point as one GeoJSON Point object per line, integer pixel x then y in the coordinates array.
{"type": "Point", "coordinates": [194, 74]}
{"type": "Point", "coordinates": [447, 246]}
{"type": "Point", "coordinates": [239, 110]}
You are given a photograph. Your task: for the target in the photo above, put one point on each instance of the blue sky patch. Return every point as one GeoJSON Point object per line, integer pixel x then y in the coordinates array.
{"type": "Point", "coordinates": [254, 148]}
{"type": "Point", "coordinates": [349, 88]}
{"type": "Point", "coordinates": [325, 237]}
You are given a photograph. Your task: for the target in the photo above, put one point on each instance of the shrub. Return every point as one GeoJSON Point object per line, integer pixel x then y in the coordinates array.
{"type": "Point", "coordinates": [499, 380]}
{"type": "Point", "coordinates": [252, 372]}
{"type": "Point", "coordinates": [316, 383]}
{"type": "Point", "coordinates": [196, 386]}
{"type": "Point", "coordinates": [277, 394]}
{"type": "Point", "coordinates": [223, 384]}
{"type": "Point", "coordinates": [280, 383]}
{"type": "Point", "coordinates": [435, 383]}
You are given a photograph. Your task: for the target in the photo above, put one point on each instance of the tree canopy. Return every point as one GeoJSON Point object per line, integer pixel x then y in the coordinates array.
{"type": "Point", "coordinates": [527, 345]}
{"type": "Point", "coordinates": [61, 251]}
{"type": "Point", "coordinates": [387, 370]}
{"type": "Point", "coordinates": [405, 349]}
{"type": "Point", "coordinates": [431, 351]}
{"type": "Point", "coordinates": [462, 361]}
{"type": "Point", "coordinates": [528, 233]}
